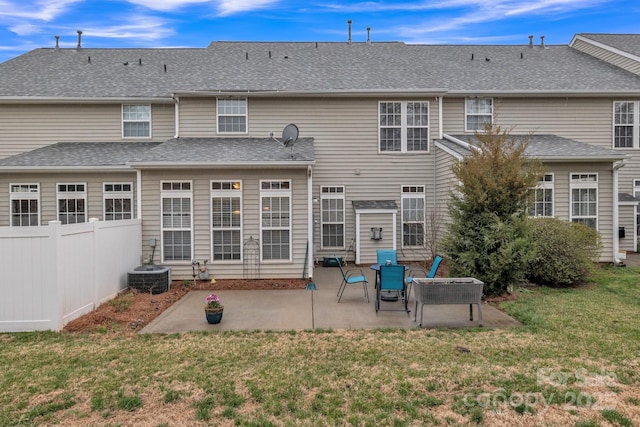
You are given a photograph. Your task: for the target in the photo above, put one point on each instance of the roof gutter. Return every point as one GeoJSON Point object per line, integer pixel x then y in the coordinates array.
{"type": "Point", "coordinates": [73, 100]}
{"type": "Point", "coordinates": [60, 169]}
{"type": "Point", "coordinates": [535, 93]}
{"type": "Point", "coordinates": [370, 93]}
{"type": "Point", "coordinates": [564, 159]}
{"type": "Point", "coordinates": [228, 165]}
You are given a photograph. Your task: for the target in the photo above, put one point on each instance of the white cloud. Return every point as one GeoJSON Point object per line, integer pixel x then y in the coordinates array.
{"type": "Point", "coordinates": [133, 27]}
{"type": "Point", "coordinates": [224, 7]}
{"type": "Point", "coordinates": [167, 5]}
{"type": "Point", "coordinates": [470, 12]}
{"type": "Point", "coordinates": [42, 10]}
{"type": "Point", "coordinates": [229, 7]}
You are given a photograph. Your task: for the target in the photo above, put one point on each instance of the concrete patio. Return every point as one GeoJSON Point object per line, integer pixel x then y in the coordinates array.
{"type": "Point", "coordinates": [286, 309]}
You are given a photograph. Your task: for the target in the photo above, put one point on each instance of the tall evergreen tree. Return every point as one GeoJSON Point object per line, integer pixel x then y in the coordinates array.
{"type": "Point", "coordinates": [488, 237]}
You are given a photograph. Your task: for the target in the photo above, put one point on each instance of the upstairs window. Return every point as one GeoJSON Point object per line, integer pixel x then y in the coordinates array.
{"type": "Point", "coordinates": [478, 111]}
{"type": "Point", "coordinates": [136, 121]}
{"type": "Point", "coordinates": [542, 197]}
{"type": "Point", "coordinates": [403, 126]}
{"type": "Point", "coordinates": [232, 115]}
{"type": "Point", "coordinates": [25, 204]}
{"type": "Point", "coordinates": [625, 124]}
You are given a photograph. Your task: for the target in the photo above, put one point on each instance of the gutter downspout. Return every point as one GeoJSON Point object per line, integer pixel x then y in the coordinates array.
{"type": "Point", "coordinates": [440, 124]}
{"type": "Point", "coordinates": [311, 256]}
{"type": "Point", "coordinates": [616, 221]}
{"type": "Point", "coordinates": [139, 194]}
{"type": "Point", "coordinates": [176, 100]}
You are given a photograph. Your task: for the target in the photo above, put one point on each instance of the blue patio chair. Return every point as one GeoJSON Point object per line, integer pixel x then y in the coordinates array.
{"type": "Point", "coordinates": [351, 277]}
{"type": "Point", "coordinates": [385, 255]}
{"type": "Point", "coordinates": [418, 272]}
{"type": "Point", "coordinates": [392, 281]}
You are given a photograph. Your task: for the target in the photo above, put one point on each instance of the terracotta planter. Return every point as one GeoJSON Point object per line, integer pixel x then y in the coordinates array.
{"type": "Point", "coordinates": [213, 315]}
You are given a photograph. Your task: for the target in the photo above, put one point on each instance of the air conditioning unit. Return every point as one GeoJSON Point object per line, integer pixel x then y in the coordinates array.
{"type": "Point", "coordinates": [154, 279]}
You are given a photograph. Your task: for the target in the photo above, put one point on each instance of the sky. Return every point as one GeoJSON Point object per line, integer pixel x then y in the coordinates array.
{"type": "Point", "coordinates": [31, 24]}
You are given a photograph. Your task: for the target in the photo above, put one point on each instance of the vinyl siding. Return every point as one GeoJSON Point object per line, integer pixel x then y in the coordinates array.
{"type": "Point", "coordinates": [628, 221]}
{"type": "Point", "coordinates": [368, 248]}
{"type": "Point", "coordinates": [562, 197]}
{"type": "Point", "coordinates": [48, 191]}
{"type": "Point", "coordinates": [608, 56]}
{"type": "Point", "coordinates": [587, 120]}
{"type": "Point", "coordinates": [151, 215]}
{"type": "Point", "coordinates": [26, 127]}
{"type": "Point", "coordinates": [345, 133]}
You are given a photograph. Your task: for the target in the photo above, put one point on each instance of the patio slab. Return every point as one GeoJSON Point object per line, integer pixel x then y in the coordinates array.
{"type": "Point", "coordinates": [298, 309]}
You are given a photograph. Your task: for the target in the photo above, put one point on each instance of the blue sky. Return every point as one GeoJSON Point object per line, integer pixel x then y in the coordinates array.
{"type": "Point", "coordinates": [30, 24]}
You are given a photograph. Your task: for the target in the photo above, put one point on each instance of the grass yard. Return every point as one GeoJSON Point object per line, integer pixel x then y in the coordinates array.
{"type": "Point", "coordinates": [576, 361]}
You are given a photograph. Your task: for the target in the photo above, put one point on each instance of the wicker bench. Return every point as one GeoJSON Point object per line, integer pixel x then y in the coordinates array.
{"type": "Point", "coordinates": [459, 290]}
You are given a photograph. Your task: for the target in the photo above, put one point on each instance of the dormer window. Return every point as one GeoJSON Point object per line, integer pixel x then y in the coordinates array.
{"type": "Point", "coordinates": [232, 115]}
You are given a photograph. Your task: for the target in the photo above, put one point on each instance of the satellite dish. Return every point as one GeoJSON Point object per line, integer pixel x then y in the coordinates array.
{"type": "Point", "coordinates": [289, 136]}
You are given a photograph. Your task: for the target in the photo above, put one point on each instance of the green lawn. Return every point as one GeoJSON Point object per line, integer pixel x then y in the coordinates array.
{"type": "Point", "coordinates": [576, 361]}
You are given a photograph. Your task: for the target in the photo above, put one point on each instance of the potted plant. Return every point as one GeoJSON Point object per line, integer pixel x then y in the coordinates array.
{"type": "Point", "coordinates": [213, 308]}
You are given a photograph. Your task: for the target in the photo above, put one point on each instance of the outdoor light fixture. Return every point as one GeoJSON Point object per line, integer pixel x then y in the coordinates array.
{"type": "Point", "coordinates": [376, 233]}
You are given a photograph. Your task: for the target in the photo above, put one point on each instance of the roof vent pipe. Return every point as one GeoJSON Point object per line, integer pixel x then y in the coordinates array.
{"type": "Point", "coordinates": [530, 41]}
{"type": "Point", "coordinates": [368, 34]}
{"type": "Point", "coordinates": [57, 42]}
{"type": "Point", "coordinates": [349, 26]}
{"type": "Point", "coordinates": [542, 41]}
{"type": "Point", "coordinates": [79, 39]}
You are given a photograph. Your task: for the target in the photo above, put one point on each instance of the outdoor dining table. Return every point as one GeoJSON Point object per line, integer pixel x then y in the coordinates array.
{"type": "Point", "coordinates": [388, 296]}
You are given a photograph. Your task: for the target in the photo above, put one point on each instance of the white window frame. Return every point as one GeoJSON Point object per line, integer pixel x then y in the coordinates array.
{"type": "Point", "coordinates": [270, 189]}
{"type": "Point", "coordinates": [227, 189]}
{"type": "Point", "coordinates": [546, 183]}
{"type": "Point", "coordinates": [334, 215]}
{"type": "Point", "coordinates": [468, 102]}
{"type": "Point", "coordinates": [176, 189]}
{"type": "Point", "coordinates": [583, 181]}
{"type": "Point", "coordinates": [134, 120]}
{"type": "Point", "coordinates": [410, 215]}
{"type": "Point", "coordinates": [221, 111]}
{"type": "Point", "coordinates": [403, 127]}
{"type": "Point", "coordinates": [117, 191]}
{"type": "Point", "coordinates": [634, 125]}
{"type": "Point", "coordinates": [72, 191]}
{"type": "Point", "coordinates": [20, 192]}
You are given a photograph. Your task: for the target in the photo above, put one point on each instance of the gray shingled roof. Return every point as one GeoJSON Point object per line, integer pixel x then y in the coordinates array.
{"type": "Point", "coordinates": [629, 43]}
{"type": "Point", "coordinates": [177, 151]}
{"type": "Point", "coordinates": [627, 198]}
{"type": "Point", "coordinates": [80, 154]}
{"type": "Point", "coordinates": [308, 67]}
{"type": "Point", "coordinates": [548, 148]}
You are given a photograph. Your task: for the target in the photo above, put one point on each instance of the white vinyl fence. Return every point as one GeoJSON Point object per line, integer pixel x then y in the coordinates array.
{"type": "Point", "coordinates": [53, 274]}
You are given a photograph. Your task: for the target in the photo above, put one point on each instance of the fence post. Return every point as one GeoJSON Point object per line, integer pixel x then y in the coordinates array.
{"type": "Point", "coordinates": [57, 281]}
{"type": "Point", "coordinates": [95, 240]}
